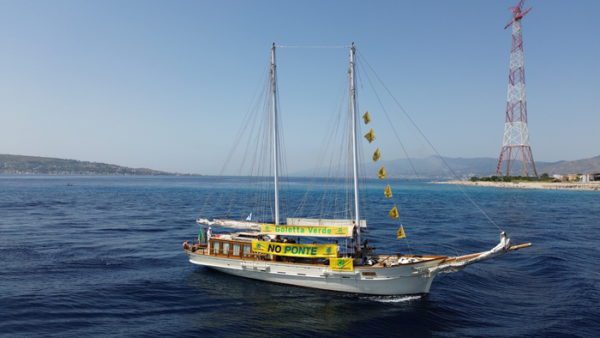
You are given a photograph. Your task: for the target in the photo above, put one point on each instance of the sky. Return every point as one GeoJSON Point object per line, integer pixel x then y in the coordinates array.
{"type": "Point", "coordinates": [166, 84]}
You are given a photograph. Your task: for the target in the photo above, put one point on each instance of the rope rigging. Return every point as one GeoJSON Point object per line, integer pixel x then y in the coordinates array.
{"type": "Point", "coordinates": [413, 123]}
{"type": "Point", "coordinates": [330, 199]}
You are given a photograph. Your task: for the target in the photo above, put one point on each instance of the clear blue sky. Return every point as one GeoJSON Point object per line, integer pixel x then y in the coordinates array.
{"type": "Point", "coordinates": [164, 84]}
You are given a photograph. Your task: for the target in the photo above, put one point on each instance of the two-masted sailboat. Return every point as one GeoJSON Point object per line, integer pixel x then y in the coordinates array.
{"type": "Point", "coordinates": [279, 252]}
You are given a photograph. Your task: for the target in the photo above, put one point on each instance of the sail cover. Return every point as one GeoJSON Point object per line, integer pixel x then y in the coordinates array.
{"type": "Point", "coordinates": [227, 223]}
{"type": "Point", "coordinates": [324, 222]}
{"type": "Point", "coordinates": [456, 263]}
{"type": "Point", "coordinates": [315, 227]}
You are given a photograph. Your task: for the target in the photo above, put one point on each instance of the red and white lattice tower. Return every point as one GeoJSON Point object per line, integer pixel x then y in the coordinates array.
{"type": "Point", "coordinates": [515, 143]}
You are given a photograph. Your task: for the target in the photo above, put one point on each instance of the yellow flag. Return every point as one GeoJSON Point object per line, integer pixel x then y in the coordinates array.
{"type": "Point", "coordinates": [394, 213]}
{"type": "Point", "coordinates": [387, 192]}
{"type": "Point", "coordinates": [370, 136]}
{"type": "Point", "coordinates": [341, 264]}
{"type": "Point", "coordinates": [401, 234]}
{"type": "Point", "coordinates": [382, 173]}
{"type": "Point", "coordinates": [376, 155]}
{"type": "Point", "coordinates": [367, 118]}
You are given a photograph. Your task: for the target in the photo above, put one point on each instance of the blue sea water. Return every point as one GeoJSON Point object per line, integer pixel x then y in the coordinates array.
{"type": "Point", "coordinates": [95, 256]}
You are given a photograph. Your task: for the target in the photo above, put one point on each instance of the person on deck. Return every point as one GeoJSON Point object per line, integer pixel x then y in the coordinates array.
{"type": "Point", "coordinates": [208, 235]}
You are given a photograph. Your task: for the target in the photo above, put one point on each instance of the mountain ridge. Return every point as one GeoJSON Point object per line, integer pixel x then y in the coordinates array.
{"type": "Point", "coordinates": [434, 167]}
{"type": "Point", "coordinates": [38, 165]}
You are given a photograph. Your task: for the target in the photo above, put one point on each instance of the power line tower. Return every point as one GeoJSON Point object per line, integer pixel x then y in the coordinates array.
{"type": "Point", "coordinates": [515, 143]}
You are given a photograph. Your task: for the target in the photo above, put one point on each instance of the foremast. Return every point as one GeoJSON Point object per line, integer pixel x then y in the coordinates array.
{"type": "Point", "coordinates": [275, 132]}
{"type": "Point", "coordinates": [354, 117]}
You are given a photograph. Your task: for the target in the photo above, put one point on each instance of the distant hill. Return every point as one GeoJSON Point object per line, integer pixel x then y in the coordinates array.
{"type": "Point", "coordinates": [433, 167]}
{"type": "Point", "coordinates": [585, 166]}
{"type": "Point", "coordinates": [32, 165]}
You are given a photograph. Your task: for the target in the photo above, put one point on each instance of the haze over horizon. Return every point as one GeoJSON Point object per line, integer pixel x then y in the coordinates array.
{"type": "Point", "coordinates": [166, 85]}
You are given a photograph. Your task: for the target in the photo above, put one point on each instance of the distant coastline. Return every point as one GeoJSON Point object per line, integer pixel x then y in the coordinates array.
{"type": "Point", "coordinates": [35, 165]}
{"type": "Point", "coordinates": [592, 186]}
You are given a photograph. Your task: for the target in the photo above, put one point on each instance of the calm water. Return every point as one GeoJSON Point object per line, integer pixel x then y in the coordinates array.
{"type": "Point", "coordinates": [102, 256]}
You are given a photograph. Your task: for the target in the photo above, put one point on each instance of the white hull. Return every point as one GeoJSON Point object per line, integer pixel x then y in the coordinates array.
{"type": "Point", "coordinates": [397, 280]}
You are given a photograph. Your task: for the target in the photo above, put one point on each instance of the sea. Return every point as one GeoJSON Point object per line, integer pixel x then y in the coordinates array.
{"type": "Point", "coordinates": [102, 256]}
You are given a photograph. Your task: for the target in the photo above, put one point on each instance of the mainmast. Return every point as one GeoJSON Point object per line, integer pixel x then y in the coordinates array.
{"type": "Point", "coordinates": [354, 141]}
{"type": "Point", "coordinates": [275, 135]}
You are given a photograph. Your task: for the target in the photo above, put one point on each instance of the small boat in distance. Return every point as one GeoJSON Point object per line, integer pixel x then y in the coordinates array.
{"type": "Point", "coordinates": [280, 252]}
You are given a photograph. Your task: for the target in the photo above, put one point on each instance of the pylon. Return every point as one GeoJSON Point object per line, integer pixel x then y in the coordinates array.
{"type": "Point", "coordinates": [515, 143]}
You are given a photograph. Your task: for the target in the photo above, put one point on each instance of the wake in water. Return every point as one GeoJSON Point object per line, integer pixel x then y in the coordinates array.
{"type": "Point", "coordinates": [393, 299]}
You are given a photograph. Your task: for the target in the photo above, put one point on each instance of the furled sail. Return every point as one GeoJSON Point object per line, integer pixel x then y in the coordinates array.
{"type": "Point", "coordinates": [453, 264]}
{"type": "Point", "coordinates": [227, 223]}
{"type": "Point", "coordinates": [324, 222]}
{"type": "Point", "coordinates": [204, 221]}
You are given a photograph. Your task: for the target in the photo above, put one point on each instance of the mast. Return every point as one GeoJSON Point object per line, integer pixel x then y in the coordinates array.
{"type": "Point", "coordinates": [354, 141]}
{"type": "Point", "coordinates": [275, 132]}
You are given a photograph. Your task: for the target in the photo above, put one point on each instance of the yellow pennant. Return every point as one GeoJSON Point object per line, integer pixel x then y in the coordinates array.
{"type": "Point", "coordinates": [401, 234]}
{"type": "Point", "coordinates": [370, 136]}
{"type": "Point", "coordinates": [382, 173]}
{"type": "Point", "coordinates": [376, 155]}
{"type": "Point", "coordinates": [295, 250]}
{"type": "Point", "coordinates": [387, 192]}
{"type": "Point", "coordinates": [394, 213]}
{"type": "Point", "coordinates": [341, 264]}
{"type": "Point", "coordinates": [367, 118]}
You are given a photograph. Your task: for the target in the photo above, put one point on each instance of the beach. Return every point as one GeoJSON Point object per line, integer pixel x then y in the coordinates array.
{"type": "Point", "coordinates": [593, 186]}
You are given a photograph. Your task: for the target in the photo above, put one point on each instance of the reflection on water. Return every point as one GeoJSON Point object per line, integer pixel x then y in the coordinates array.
{"type": "Point", "coordinates": [269, 308]}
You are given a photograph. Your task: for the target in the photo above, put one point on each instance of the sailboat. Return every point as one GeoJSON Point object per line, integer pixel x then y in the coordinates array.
{"type": "Point", "coordinates": [276, 251]}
